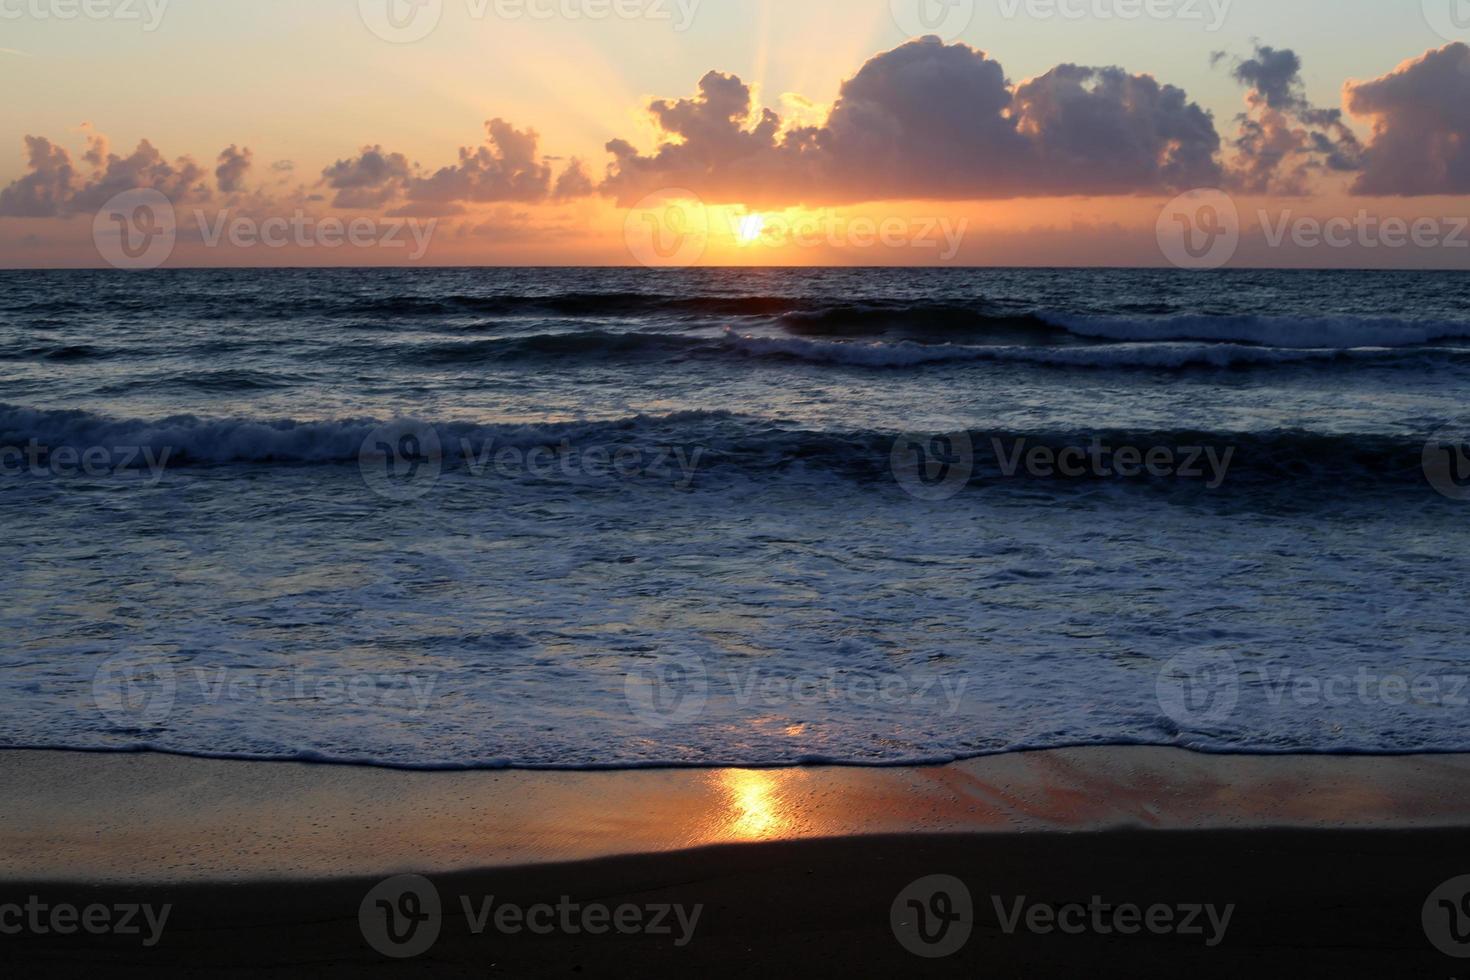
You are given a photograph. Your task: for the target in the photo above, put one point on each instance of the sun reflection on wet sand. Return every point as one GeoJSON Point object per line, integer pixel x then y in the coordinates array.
{"type": "Point", "coordinates": [756, 809]}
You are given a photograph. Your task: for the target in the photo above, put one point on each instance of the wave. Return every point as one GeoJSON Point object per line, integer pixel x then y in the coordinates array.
{"type": "Point", "coordinates": [721, 440]}
{"type": "Point", "coordinates": [889, 354]}
{"type": "Point", "coordinates": [909, 354]}
{"type": "Point", "coordinates": [62, 354]}
{"type": "Point", "coordinates": [597, 343]}
{"type": "Point", "coordinates": [918, 320]}
{"type": "Point", "coordinates": [590, 304]}
{"type": "Point", "coordinates": [1338, 333]}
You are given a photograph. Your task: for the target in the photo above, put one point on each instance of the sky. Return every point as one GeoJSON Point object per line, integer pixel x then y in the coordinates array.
{"type": "Point", "coordinates": [535, 132]}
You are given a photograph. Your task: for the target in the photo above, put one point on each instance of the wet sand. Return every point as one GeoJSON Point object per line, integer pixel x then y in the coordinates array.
{"type": "Point", "coordinates": [1325, 864]}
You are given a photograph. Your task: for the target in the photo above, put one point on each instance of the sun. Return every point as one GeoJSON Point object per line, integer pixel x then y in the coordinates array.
{"type": "Point", "coordinates": [750, 228]}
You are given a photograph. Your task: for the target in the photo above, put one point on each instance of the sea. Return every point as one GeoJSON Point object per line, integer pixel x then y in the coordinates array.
{"type": "Point", "coordinates": [614, 518]}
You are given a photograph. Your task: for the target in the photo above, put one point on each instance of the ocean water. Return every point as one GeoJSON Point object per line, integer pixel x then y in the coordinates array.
{"type": "Point", "coordinates": [615, 518]}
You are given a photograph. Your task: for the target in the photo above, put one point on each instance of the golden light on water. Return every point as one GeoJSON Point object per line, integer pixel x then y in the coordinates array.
{"type": "Point", "coordinates": [754, 804]}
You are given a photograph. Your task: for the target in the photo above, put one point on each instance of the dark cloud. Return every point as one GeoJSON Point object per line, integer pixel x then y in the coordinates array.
{"type": "Point", "coordinates": [234, 164]}
{"type": "Point", "coordinates": [1421, 126]}
{"type": "Point", "coordinates": [930, 120]}
{"type": "Point", "coordinates": [1283, 142]}
{"type": "Point", "coordinates": [53, 188]}
{"type": "Point", "coordinates": [47, 190]}
{"type": "Point", "coordinates": [505, 168]}
{"type": "Point", "coordinates": [1274, 74]}
{"type": "Point", "coordinates": [1102, 130]}
{"type": "Point", "coordinates": [574, 182]}
{"type": "Point", "coordinates": [369, 180]}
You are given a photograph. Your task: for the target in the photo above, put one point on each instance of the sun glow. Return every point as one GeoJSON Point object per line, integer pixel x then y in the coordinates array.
{"type": "Point", "coordinates": [749, 230]}
{"type": "Point", "coordinates": [754, 807]}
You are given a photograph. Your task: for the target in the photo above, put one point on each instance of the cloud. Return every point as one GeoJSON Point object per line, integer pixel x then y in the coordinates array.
{"type": "Point", "coordinates": [53, 187]}
{"type": "Point", "coordinates": [1283, 142]}
{"type": "Point", "coordinates": [47, 190]}
{"type": "Point", "coordinates": [234, 164]}
{"type": "Point", "coordinates": [369, 180]}
{"type": "Point", "coordinates": [574, 182]}
{"type": "Point", "coordinates": [1421, 126]}
{"type": "Point", "coordinates": [928, 120]}
{"type": "Point", "coordinates": [506, 168]}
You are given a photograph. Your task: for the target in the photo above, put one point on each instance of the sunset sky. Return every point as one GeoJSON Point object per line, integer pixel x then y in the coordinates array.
{"type": "Point", "coordinates": [254, 109]}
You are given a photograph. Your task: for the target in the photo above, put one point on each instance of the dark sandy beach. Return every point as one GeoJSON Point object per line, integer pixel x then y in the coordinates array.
{"type": "Point", "coordinates": [1132, 862]}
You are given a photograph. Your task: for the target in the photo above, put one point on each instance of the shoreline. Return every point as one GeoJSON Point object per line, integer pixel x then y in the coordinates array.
{"type": "Point", "coordinates": [1315, 866]}
{"type": "Point", "coordinates": [152, 818]}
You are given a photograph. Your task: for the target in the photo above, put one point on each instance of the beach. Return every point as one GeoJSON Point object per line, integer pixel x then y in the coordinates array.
{"type": "Point", "coordinates": [1302, 865]}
